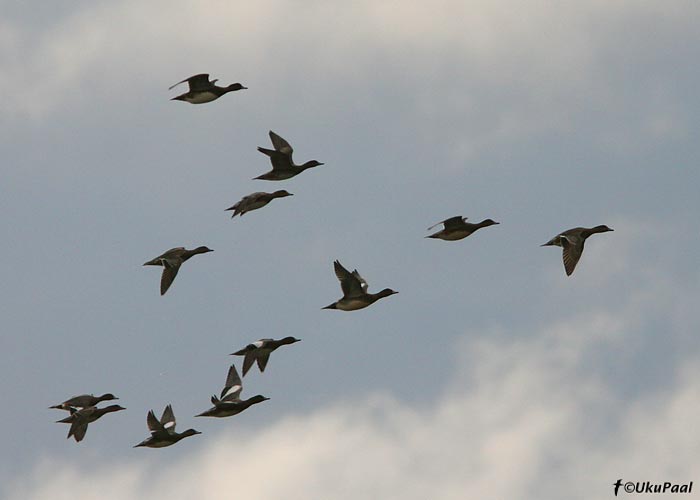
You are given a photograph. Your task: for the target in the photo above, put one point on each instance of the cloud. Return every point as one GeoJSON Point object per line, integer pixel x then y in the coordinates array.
{"type": "Point", "coordinates": [492, 71]}
{"type": "Point", "coordinates": [535, 415]}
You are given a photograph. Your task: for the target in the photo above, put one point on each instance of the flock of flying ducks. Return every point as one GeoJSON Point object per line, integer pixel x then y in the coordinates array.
{"type": "Point", "coordinates": [83, 409]}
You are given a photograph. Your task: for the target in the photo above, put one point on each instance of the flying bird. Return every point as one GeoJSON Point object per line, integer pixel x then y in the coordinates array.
{"type": "Point", "coordinates": [202, 90]}
{"type": "Point", "coordinates": [354, 288]}
{"type": "Point", "coordinates": [82, 401]}
{"type": "Point", "coordinates": [259, 352]}
{"type": "Point", "coordinates": [230, 402]}
{"type": "Point", "coordinates": [572, 241]}
{"type": "Point", "coordinates": [163, 431]}
{"type": "Point", "coordinates": [283, 167]}
{"type": "Point", "coordinates": [171, 262]}
{"type": "Point", "coordinates": [456, 228]}
{"type": "Point", "coordinates": [256, 200]}
{"type": "Point", "coordinates": [79, 419]}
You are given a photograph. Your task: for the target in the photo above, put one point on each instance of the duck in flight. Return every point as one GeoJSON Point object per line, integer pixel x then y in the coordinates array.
{"type": "Point", "coordinates": [254, 201]}
{"type": "Point", "coordinates": [163, 431]}
{"type": "Point", "coordinates": [230, 402]}
{"type": "Point", "coordinates": [354, 288]}
{"type": "Point", "coordinates": [572, 241]}
{"type": "Point", "coordinates": [202, 90]}
{"type": "Point", "coordinates": [171, 262]}
{"type": "Point", "coordinates": [456, 228]}
{"type": "Point", "coordinates": [283, 167]}
{"type": "Point", "coordinates": [79, 419]}
{"type": "Point", "coordinates": [260, 351]}
{"type": "Point", "coordinates": [83, 401]}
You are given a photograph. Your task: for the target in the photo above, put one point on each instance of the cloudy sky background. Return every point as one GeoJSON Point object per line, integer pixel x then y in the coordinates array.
{"type": "Point", "coordinates": [490, 375]}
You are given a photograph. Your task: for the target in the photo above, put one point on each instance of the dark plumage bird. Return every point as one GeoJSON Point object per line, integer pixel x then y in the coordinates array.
{"type": "Point", "coordinates": [171, 262]}
{"type": "Point", "coordinates": [163, 431]}
{"type": "Point", "coordinates": [230, 402]}
{"type": "Point", "coordinates": [202, 90]}
{"type": "Point", "coordinates": [283, 167]}
{"type": "Point", "coordinates": [260, 351]}
{"type": "Point", "coordinates": [456, 228]}
{"type": "Point", "coordinates": [256, 200]}
{"type": "Point", "coordinates": [354, 288]}
{"type": "Point", "coordinates": [572, 241]}
{"type": "Point", "coordinates": [79, 419]}
{"type": "Point", "coordinates": [83, 401]}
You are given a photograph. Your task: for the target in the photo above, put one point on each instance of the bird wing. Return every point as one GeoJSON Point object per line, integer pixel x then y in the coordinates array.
{"type": "Point", "coordinates": [363, 282]}
{"type": "Point", "coordinates": [281, 161]}
{"type": "Point", "coordinates": [450, 223]}
{"type": "Point", "coordinates": [234, 386]}
{"type": "Point", "coordinates": [262, 361]}
{"type": "Point", "coordinates": [196, 82]}
{"type": "Point", "coordinates": [280, 144]}
{"type": "Point", "coordinates": [248, 361]}
{"type": "Point", "coordinates": [169, 273]}
{"type": "Point", "coordinates": [78, 429]}
{"type": "Point", "coordinates": [153, 423]}
{"type": "Point", "coordinates": [352, 284]}
{"type": "Point", "coordinates": [167, 420]}
{"type": "Point", "coordinates": [454, 222]}
{"type": "Point", "coordinates": [572, 252]}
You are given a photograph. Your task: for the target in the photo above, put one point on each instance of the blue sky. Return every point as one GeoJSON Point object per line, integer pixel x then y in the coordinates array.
{"type": "Point", "coordinates": [490, 375]}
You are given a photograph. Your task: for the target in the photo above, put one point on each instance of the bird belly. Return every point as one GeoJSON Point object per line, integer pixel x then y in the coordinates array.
{"type": "Point", "coordinates": [351, 304]}
{"type": "Point", "coordinates": [454, 235]}
{"type": "Point", "coordinates": [281, 175]}
{"type": "Point", "coordinates": [227, 412]}
{"type": "Point", "coordinates": [159, 444]}
{"type": "Point", "coordinates": [201, 97]}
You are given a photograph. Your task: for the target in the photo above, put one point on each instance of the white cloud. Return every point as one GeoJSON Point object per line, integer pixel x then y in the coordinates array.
{"type": "Point", "coordinates": [494, 71]}
{"type": "Point", "coordinates": [526, 417]}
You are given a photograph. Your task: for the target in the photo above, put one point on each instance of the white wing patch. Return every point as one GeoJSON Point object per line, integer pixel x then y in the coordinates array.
{"type": "Point", "coordinates": [235, 389]}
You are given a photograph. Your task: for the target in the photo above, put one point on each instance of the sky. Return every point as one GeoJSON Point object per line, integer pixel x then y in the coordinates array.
{"type": "Point", "coordinates": [490, 375]}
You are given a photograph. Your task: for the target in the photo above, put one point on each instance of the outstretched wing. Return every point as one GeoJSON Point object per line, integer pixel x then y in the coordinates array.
{"type": "Point", "coordinates": [168, 419]}
{"type": "Point", "coordinates": [166, 279]}
{"type": "Point", "coordinates": [572, 253]}
{"type": "Point", "coordinates": [196, 82]}
{"type": "Point", "coordinates": [451, 223]}
{"type": "Point", "coordinates": [78, 429]}
{"type": "Point", "coordinates": [153, 423]}
{"type": "Point", "coordinates": [262, 361]}
{"type": "Point", "coordinates": [454, 222]}
{"type": "Point", "coordinates": [234, 386]}
{"type": "Point", "coordinates": [352, 284]}
{"type": "Point", "coordinates": [280, 144]}
{"type": "Point", "coordinates": [248, 361]}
